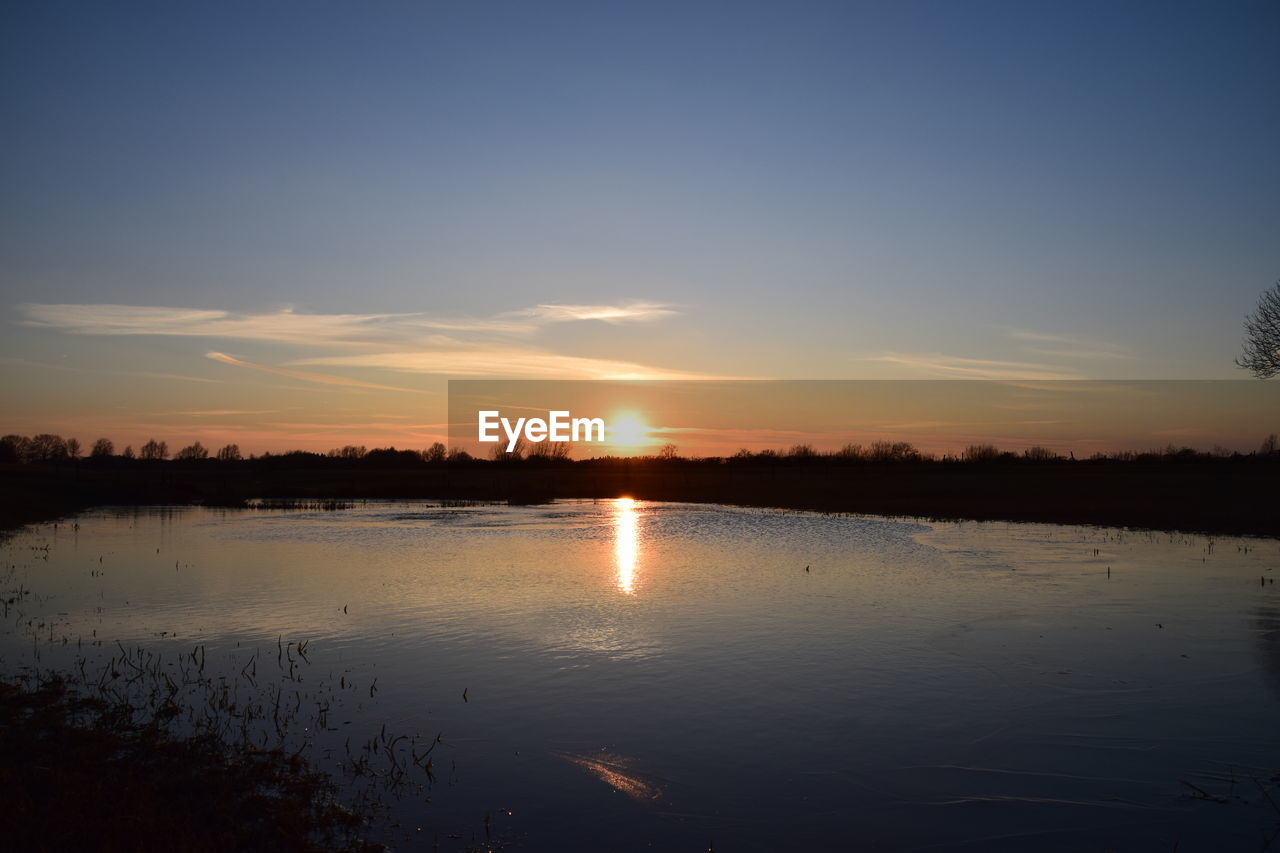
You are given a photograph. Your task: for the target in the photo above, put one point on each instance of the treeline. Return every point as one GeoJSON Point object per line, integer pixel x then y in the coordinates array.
{"type": "Point", "coordinates": [1167, 489]}
{"type": "Point", "coordinates": [49, 448]}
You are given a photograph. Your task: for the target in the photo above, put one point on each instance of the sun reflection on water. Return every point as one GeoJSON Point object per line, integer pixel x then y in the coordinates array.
{"type": "Point", "coordinates": [626, 543]}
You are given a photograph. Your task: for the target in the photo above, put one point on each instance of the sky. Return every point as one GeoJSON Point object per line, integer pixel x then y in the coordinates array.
{"type": "Point", "coordinates": [940, 417]}
{"type": "Point", "coordinates": [287, 224]}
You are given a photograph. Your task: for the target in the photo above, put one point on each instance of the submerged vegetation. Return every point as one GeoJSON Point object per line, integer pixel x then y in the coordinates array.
{"type": "Point", "coordinates": [131, 784]}
{"type": "Point", "coordinates": [177, 747]}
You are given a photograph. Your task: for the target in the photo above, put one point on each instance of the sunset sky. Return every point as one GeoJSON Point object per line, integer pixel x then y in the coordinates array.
{"type": "Point", "coordinates": [288, 224]}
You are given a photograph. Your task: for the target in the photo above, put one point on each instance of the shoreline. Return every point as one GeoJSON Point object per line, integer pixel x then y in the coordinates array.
{"type": "Point", "coordinates": [1215, 497]}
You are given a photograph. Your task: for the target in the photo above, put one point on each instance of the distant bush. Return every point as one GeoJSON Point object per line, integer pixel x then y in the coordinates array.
{"type": "Point", "coordinates": [981, 453]}
{"type": "Point", "coordinates": [192, 452]}
{"type": "Point", "coordinates": [153, 451]}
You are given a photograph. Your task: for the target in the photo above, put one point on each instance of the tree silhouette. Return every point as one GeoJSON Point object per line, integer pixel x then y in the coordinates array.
{"type": "Point", "coordinates": [499, 452]}
{"type": "Point", "coordinates": [553, 450]}
{"type": "Point", "coordinates": [47, 447]}
{"type": "Point", "coordinates": [1261, 355]}
{"type": "Point", "coordinates": [192, 451]}
{"type": "Point", "coordinates": [980, 453]}
{"type": "Point", "coordinates": [15, 448]}
{"type": "Point", "coordinates": [23, 447]}
{"type": "Point", "coordinates": [154, 450]}
{"type": "Point", "coordinates": [102, 447]}
{"type": "Point", "coordinates": [230, 453]}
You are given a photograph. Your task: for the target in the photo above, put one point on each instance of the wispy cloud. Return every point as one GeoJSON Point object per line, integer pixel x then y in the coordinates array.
{"type": "Point", "coordinates": [289, 326]}
{"type": "Point", "coordinates": [929, 425]}
{"type": "Point", "coordinates": [221, 413]}
{"type": "Point", "coordinates": [957, 367]}
{"type": "Point", "coordinates": [138, 374]}
{"type": "Point", "coordinates": [308, 376]}
{"type": "Point", "coordinates": [1067, 346]}
{"type": "Point", "coordinates": [283, 326]}
{"type": "Point", "coordinates": [355, 426]}
{"type": "Point", "coordinates": [509, 363]}
{"type": "Point", "coordinates": [636, 312]}
{"type": "Point", "coordinates": [409, 342]}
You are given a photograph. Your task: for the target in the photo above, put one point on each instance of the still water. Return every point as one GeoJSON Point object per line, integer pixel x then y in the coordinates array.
{"type": "Point", "coordinates": [622, 675]}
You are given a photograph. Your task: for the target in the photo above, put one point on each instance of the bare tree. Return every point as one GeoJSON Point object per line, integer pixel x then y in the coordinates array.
{"type": "Point", "coordinates": [499, 452]}
{"type": "Point", "coordinates": [892, 451]}
{"type": "Point", "coordinates": [128, 452]}
{"type": "Point", "coordinates": [980, 453]}
{"type": "Point", "coordinates": [435, 453]}
{"type": "Point", "coordinates": [15, 448]}
{"type": "Point", "coordinates": [46, 447]}
{"type": "Point", "coordinates": [230, 453]}
{"type": "Point", "coordinates": [668, 452]}
{"type": "Point", "coordinates": [551, 450]}
{"type": "Point", "coordinates": [102, 447]}
{"type": "Point", "coordinates": [73, 448]}
{"type": "Point", "coordinates": [192, 451]}
{"type": "Point", "coordinates": [1261, 355]}
{"type": "Point", "coordinates": [154, 450]}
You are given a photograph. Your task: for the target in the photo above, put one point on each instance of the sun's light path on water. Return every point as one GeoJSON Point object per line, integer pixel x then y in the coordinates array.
{"type": "Point", "coordinates": [626, 546]}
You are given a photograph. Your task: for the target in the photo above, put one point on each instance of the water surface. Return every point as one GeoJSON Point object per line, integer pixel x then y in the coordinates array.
{"type": "Point", "coordinates": [671, 676]}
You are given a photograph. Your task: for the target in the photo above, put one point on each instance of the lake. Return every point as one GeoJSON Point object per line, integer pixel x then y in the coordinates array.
{"type": "Point", "coordinates": [623, 675]}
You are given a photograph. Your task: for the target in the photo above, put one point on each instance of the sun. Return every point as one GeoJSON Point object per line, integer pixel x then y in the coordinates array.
{"type": "Point", "coordinates": [626, 429]}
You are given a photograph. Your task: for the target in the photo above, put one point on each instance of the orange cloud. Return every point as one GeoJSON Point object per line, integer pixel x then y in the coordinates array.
{"type": "Point", "coordinates": [308, 376]}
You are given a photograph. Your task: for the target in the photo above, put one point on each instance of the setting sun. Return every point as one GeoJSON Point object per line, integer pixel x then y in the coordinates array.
{"type": "Point", "coordinates": [628, 430]}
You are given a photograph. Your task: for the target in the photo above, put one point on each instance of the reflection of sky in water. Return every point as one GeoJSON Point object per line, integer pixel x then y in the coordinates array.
{"type": "Point", "coordinates": [920, 685]}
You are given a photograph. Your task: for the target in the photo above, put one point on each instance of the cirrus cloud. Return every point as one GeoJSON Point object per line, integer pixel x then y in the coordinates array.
{"type": "Point", "coordinates": [289, 326]}
{"type": "Point", "coordinates": [404, 342]}
{"type": "Point", "coordinates": [508, 363]}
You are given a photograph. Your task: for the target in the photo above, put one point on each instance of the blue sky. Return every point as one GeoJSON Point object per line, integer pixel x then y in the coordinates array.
{"type": "Point", "coordinates": [792, 190]}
